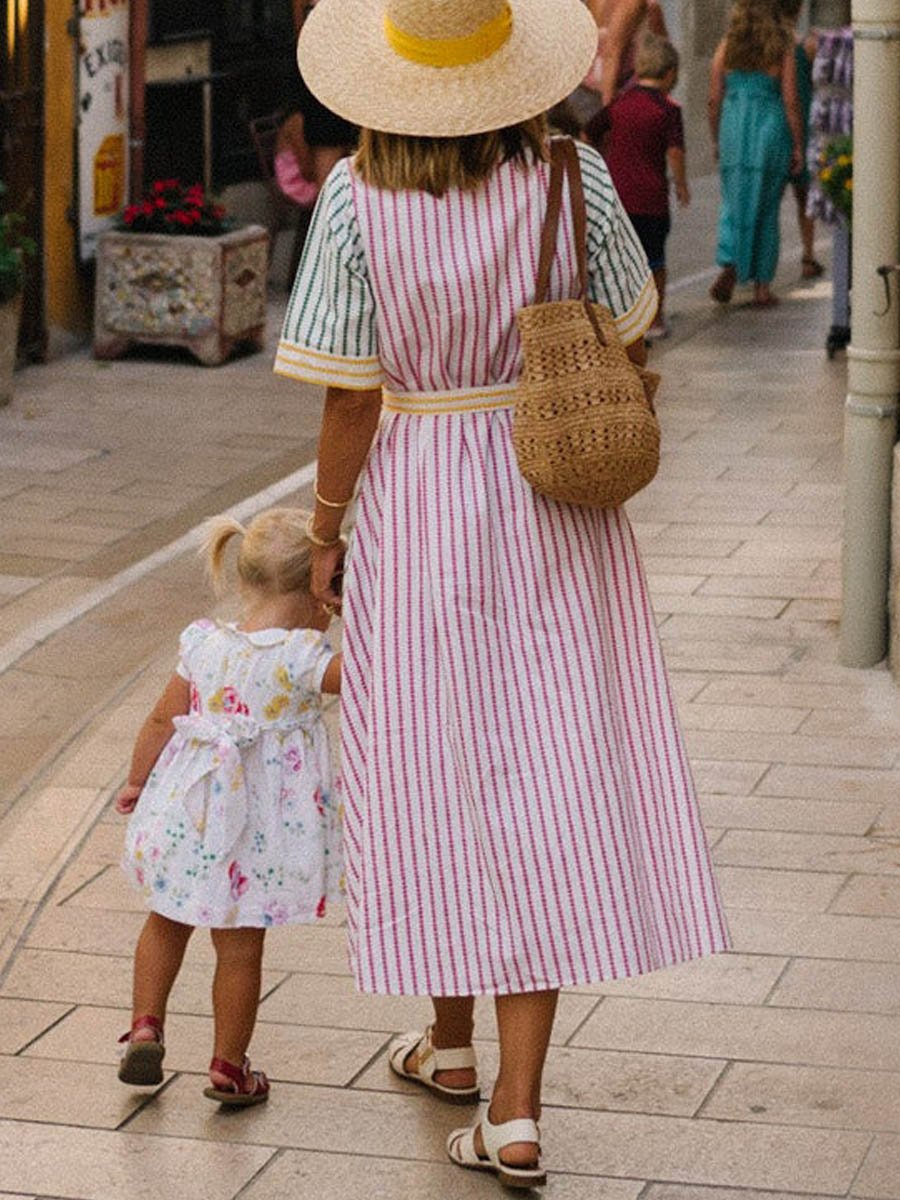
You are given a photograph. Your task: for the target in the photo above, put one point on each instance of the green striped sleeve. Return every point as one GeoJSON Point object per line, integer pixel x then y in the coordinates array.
{"type": "Point", "coordinates": [618, 274]}
{"type": "Point", "coordinates": [329, 334]}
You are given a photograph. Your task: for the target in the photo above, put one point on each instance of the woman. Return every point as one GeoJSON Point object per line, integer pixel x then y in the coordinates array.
{"type": "Point", "coordinates": [519, 812]}
{"type": "Point", "coordinates": [757, 135]}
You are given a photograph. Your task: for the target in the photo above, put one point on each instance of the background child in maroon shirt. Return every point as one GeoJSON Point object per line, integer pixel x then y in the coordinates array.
{"type": "Point", "coordinates": [641, 136]}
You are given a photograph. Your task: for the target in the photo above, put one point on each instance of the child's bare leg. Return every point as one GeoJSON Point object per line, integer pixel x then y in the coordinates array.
{"type": "Point", "coordinates": [236, 986]}
{"type": "Point", "coordinates": [807, 226]}
{"type": "Point", "coordinates": [157, 960]}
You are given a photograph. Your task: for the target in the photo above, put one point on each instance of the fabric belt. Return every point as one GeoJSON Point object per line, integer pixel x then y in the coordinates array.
{"type": "Point", "coordinates": [466, 400]}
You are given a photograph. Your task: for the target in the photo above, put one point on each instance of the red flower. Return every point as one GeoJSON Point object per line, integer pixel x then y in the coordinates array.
{"type": "Point", "coordinates": [170, 203]}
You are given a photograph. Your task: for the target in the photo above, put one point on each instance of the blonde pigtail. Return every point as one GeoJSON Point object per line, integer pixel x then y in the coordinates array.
{"type": "Point", "coordinates": [217, 533]}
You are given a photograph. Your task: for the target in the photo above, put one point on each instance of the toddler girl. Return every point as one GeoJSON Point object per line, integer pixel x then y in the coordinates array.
{"type": "Point", "coordinates": [230, 785]}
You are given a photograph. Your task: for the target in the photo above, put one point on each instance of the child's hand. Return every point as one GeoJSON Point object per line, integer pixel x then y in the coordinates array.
{"type": "Point", "coordinates": [683, 192]}
{"type": "Point", "coordinates": [127, 798]}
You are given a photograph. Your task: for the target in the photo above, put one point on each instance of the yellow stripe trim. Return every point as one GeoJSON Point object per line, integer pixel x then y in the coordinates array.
{"type": "Point", "coordinates": [633, 324]}
{"type": "Point", "coordinates": [434, 403]}
{"type": "Point", "coordinates": [291, 348]}
{"type": "Point", "coordinates": [316, 372]}
{"type": "Point", "coordinates": [354, 384]}
{"type": "Point", "coordinates": [451, 52]}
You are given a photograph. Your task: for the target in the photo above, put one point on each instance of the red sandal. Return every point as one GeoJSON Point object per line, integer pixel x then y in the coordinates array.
{"type": "Point", "coordinates": [141, 1063]}
{"type": "Point", "coordinates": [247, 1087]}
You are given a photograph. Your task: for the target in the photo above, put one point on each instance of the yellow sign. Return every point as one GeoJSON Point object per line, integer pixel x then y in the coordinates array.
{"type": "Point", "coordinates": [103, 34]}
{"type": "Point", "coordinates": [109, 176]}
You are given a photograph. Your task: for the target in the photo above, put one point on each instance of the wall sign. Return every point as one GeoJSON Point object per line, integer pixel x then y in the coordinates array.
{"type": "Point", "coordinates": [102, 117]}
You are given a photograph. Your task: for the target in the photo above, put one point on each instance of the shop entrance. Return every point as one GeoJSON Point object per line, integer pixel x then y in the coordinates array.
{"type": "Point", "coordinates": [22, 147]}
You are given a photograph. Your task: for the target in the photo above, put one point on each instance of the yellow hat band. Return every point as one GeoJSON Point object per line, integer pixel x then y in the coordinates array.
{"type": "Point", "coordinates": [452, 52]}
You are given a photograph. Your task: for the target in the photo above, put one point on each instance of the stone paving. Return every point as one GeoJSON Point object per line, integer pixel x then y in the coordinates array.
{"type": "Point", "coordinates": [771, 1072]}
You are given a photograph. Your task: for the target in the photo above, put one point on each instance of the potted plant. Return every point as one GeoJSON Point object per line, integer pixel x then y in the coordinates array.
{"type": "Point", "coordinates": [15, 248]}
{"type": "Point", "coordinates": [177, 272]}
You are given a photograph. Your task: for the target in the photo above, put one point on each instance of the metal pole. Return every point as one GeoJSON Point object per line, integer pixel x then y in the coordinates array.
{"type": "Point", "coordinates": [870, 429]}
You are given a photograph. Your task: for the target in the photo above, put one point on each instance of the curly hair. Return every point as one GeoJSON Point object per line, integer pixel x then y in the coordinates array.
{"type": "Point", "coordinates": [758, 36]}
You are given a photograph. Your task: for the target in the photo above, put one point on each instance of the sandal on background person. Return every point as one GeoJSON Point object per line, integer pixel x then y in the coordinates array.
{"type": "Point", "coordinates": [243, 1087]}
{"type": "Point", "coordinates": [142, 1056]}
{"type": "Point", "coordinates": [723, 288]}
{"type": "Point", "coordinates": [461, 1149]}
{"type": "Point", "coordinates": [811, 268]}
{"type": "Point", "coordinates": [431, 1061]}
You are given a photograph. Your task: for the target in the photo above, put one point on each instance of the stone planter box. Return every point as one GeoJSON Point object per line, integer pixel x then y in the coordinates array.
{"type": "Point", "coordinates": [10, 315]}
{"type": "Point", "coordinates": [207, 294]}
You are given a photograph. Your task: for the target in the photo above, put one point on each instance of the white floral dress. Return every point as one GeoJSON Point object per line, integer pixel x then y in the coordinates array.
{"type": "Point", "coordinates": [237, 823]}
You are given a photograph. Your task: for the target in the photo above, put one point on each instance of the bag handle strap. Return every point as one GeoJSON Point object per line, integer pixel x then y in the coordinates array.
{"type": "Point", "coordinates": [550, 230]}
{"type": "Point", "coordinates": [564, 162]}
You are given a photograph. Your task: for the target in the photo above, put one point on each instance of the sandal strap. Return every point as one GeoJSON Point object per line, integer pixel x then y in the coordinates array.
{"type": "Point", "coordinates": [458, 1059]}
{"type": "Point", "coordinates": [496, 1137]}
{"type": "Point", "coordinates": [145, 1022]}
{"type": "Point", "coordinates": [236, 1075]}
{"type": "Point", "coordinates": [430, 1059]}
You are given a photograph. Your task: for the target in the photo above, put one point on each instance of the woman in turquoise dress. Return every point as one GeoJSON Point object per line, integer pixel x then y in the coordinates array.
{"type": "Point", "coordinates": [757, 134]}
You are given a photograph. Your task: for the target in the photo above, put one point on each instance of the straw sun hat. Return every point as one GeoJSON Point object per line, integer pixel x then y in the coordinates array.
{"type": "Point", "coordinates": [443, 68]}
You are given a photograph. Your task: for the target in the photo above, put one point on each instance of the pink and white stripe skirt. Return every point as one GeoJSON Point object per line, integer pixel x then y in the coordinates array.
{"type": "Point", "coordinates": [519, 811]}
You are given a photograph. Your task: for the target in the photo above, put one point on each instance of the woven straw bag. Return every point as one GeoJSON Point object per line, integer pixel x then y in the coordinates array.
{"type": "Point", "coordinates": [584, 429]}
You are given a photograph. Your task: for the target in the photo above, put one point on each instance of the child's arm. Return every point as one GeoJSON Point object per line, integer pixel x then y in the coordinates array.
{"type": "Point", "coordinates": [331, 680]}
{"type": "Point", "coordinates": [155, 733]}
{"type": "Point", "coordinates": [678, 167]}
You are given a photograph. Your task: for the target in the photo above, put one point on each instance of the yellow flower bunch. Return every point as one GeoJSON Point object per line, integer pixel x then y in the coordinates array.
{"type": "Point", "coordinates": [836, 174]}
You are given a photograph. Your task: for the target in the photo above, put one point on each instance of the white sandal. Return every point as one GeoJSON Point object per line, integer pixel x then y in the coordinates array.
{"type": "Point", "coordinates": [461, 1149]}
{"type": "Point", "coordinates": [430, 1062]}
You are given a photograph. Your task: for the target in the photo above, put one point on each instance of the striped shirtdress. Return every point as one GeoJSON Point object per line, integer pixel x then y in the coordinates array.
{"type": "Point", "coordinates": [519, 811]}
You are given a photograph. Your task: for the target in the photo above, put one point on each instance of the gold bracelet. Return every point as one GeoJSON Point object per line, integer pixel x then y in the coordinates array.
{"type": "Point", "coordinates": [322, 543]}
{"type": "Point", "coordinates": [330, 503]}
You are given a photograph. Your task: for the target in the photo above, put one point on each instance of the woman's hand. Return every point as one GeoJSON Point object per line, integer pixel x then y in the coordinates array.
{"type": "Point", "coordinates": [327, 564]}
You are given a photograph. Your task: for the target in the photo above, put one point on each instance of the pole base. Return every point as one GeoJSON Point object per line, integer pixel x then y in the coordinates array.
{"type": "Point", "coordinates": [838, 339]}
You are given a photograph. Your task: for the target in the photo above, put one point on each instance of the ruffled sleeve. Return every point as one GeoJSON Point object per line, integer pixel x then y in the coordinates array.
{"type": "Point", "coordinates": [192, 637]}
{"type": "Point", "coordinates": [310, 654]}
{"type": "Point", "coordinates": [618, 273]}
{"type": "Point", "coordinates": [329, 333]}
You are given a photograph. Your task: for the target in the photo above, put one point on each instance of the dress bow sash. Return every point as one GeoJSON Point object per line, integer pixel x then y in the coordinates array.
{"type": "Point", "coordinates": [215, 791]}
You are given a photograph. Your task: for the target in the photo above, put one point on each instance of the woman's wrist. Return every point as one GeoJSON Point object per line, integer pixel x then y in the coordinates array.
{"type": "Point", "coordinates": [321, 531]}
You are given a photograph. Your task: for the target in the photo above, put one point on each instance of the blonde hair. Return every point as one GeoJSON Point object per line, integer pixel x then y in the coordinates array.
{"type": "Point", "coordinates": [655, 58]}
{"type": "Point", "coordinates": [758, 36]}
{"type": "Point", "coordinates": [274, 555]}
{"type": "Point", "coordinates": [399, 162]}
